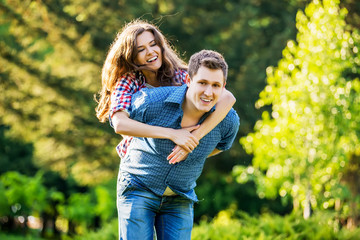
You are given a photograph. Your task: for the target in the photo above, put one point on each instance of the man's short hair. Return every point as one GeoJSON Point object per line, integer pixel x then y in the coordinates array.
{"type": "Point", "coordinates": [209, 59]}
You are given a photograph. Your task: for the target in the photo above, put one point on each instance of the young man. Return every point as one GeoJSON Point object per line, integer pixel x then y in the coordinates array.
{"type": "Point", "coordinates": [151, 190]}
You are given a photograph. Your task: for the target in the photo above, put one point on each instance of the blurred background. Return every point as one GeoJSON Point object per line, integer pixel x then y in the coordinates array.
{"type": "Point", "coordinates": [294, 67]}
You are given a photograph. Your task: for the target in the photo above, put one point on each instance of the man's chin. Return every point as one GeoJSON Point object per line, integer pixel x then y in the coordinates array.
{"type": "Point", "coordinates": [205, 109]}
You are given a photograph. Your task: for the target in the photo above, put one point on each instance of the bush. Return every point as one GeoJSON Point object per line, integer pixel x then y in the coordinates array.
{"type": "Point", "coordinates": [235, 225]}
{"type": "Point", "coordinates": [16, 237]}
{"type": "Point", "coordinates": [109, 231]}
{"type": "Point", "coordinates": [229, 225]}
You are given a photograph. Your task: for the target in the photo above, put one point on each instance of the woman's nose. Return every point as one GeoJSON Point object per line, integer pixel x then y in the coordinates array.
{"type": "Point", "coordinates": [149, 50]}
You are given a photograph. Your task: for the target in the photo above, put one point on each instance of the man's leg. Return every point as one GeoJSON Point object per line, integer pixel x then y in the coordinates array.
{"type": "Point", "coordinates": [136, 213]}
{"type": "Point", "coordinates": [175, 219]}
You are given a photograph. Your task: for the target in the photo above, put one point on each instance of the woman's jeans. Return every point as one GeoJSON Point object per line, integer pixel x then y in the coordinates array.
{"type": "Point", "coordinates": [139, 210]}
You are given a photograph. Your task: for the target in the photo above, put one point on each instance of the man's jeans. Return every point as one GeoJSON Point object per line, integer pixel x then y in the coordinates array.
{"type": "Point", "coordinates": [139, 210]}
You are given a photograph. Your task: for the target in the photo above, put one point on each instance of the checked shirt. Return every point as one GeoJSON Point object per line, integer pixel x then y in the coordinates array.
{"type": "Point", "coordinates": [145, 163]}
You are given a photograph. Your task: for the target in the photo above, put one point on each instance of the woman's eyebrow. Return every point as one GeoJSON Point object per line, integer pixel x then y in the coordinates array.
{"type": "Point", "coordinates": [150, 42]}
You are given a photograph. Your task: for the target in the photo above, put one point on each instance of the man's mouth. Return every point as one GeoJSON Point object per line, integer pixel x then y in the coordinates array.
{"type": "Point", "coordinates": [205, 100]}
{"type": "Point", "coordinates": [152, 59]}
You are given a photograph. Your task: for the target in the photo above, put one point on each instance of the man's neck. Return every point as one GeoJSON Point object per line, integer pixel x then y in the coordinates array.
{"type": "Point", "coordinates": [191, 116]}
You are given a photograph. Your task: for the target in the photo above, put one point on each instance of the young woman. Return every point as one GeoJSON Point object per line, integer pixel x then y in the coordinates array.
{"type": "Point", "coordinates": [139, 57]}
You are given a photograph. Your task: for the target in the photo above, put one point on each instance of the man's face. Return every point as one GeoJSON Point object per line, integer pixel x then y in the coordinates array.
{"type": "Point", "coordinates": [205, 88]}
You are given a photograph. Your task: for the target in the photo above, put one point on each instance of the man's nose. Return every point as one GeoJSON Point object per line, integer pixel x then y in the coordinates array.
{"type": "Point", "coordinates": [208, 91]}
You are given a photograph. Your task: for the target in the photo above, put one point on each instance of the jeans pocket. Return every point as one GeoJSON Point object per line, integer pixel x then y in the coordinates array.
{"type": "Point", "coordinates": [124, 187]}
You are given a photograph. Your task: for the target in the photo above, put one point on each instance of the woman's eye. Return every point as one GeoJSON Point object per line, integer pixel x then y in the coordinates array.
{"type": "Point", "coordinates": [140, 50]}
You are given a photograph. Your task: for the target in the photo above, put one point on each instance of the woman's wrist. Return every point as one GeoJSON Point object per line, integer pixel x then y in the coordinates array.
{"type": "Point", "coordinates": [198, 133]}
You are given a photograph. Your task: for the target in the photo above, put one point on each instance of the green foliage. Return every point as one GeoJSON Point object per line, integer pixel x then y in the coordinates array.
{"type": "Point", "coordinates": [15, 154]}
{"type": "Point", "coordinates": [220, 191]}
{"type": "Point", "coordinates": [15, 237]}
{"type": "Point", "coordinates": [232, 225]}
{"type": "Point", "coordinates": [48, 62]}
{"type": "Point", "coordinates": [303, 148]}
{"type": "Point", "coordinates": [4, 205]}
{"type": "Point", "coordinates": [106, 199]}
{"type": "Point", "coordinates": [78, 209]}
{"type": "Point", "coordinates": [24, 201]}
{"type": "Point", "coordinates": [51, 53]}
{"type": "Point", "coordinates": [108, 231]}
{"type": "Point", "coordinates": [81, 210]}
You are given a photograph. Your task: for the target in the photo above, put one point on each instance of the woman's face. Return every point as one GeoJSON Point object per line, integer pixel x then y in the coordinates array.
{"type": "Point", "coordinates": [149, 53]}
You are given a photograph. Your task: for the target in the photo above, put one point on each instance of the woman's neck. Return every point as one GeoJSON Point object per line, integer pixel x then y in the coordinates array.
{"type": "Point", "coordinates": [150, 78]}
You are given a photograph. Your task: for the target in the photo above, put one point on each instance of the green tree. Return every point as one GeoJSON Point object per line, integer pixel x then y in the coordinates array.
{"type": "Point", "coordinates": [20, 201]}
{"type": "Point", "coordinates": [15, 155]}
{"type": "Point", "coordinates": [305, 147]}
{"type": "Point", "coordinates": [50, 70]}
{"type": "Point", "coordinates": [52, 54]}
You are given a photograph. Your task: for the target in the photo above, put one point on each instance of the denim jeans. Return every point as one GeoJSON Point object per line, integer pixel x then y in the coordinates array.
{"type": "Point", "coordinates": [141, 211]}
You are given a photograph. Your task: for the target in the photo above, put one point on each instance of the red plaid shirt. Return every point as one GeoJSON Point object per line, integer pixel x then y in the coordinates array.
{"type": "Point", "coordinates": [129, 84]}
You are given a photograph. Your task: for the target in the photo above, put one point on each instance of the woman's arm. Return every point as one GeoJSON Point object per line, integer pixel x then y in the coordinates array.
{"type": "Point", "coordinates": [126, 126]}
{"type": "Point", "coordinates": [223, 106]}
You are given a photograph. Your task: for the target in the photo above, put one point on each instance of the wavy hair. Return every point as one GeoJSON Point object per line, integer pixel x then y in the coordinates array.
{"type": "Point", "coordinates": [121, 59]}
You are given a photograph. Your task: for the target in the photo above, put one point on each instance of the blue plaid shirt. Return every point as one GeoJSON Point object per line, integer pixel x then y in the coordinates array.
{"type": "Point", "coordinates": [145, 163]}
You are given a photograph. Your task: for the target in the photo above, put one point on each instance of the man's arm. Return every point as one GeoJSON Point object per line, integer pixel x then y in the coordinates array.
{"type": "Point", "coordinates": [215, 152]}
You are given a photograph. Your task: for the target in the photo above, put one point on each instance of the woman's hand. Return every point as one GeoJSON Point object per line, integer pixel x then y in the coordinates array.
{"type": "Point", "coordinates": [184, 139]}
{"type": "Point", "coordinates": [177, 155]}
{"type": "Point", "coordinates": [180, 152]}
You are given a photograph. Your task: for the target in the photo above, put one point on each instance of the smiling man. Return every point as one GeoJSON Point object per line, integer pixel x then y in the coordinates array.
{"type": "Point", "coordinates": [153, 191]}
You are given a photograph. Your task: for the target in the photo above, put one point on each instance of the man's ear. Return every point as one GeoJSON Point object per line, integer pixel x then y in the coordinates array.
{"type": "Point", "coordinates": [187, 80]}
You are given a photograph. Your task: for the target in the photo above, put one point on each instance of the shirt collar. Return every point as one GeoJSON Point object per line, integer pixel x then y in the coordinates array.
{"type": "Point", "coordinates": [178, 95]}
{"type": "Point", "coordinates": [140, 76]}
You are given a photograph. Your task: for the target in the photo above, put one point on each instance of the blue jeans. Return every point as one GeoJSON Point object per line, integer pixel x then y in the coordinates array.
{"type": "Point", "coordinates": [140, 210]}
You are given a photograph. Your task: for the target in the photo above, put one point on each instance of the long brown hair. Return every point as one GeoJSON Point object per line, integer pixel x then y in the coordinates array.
{"type": "Point", "coordinates": [121, 59]}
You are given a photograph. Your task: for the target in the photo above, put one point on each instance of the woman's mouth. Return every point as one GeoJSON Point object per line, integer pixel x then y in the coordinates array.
{"type": "Point", "coordinates": [152, 59]}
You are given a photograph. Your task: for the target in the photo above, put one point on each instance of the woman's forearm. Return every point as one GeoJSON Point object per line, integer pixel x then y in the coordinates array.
{"type": "Point", "coordinates": [126, 126]}
{"type": "Point", "coordinates": [223, 106]}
